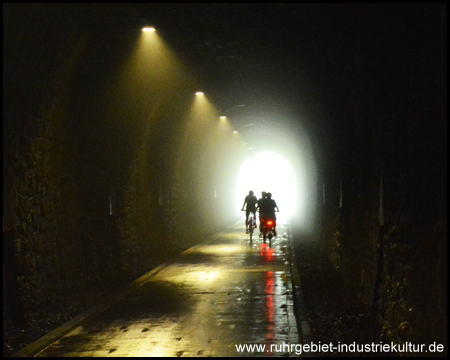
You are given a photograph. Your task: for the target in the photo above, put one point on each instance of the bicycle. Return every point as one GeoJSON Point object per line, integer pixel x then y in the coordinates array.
{"type": "Point", "coordinates": [268, 229]}
{"type": "Point", "coordinates": [251, 224]}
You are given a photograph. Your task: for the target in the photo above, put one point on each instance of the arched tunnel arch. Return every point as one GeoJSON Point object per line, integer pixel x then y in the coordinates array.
{"type": "Point", "coordinates": [112, 163]}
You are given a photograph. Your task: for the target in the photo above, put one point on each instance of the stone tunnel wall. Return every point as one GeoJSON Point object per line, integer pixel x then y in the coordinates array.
{"type": "Point", "coordinates": [394, 131]}
{"type": "Point", "coordinates": [94, 192]}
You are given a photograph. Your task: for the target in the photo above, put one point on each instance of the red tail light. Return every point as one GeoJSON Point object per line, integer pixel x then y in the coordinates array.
{"type": "Point", "coordinates": [270, 222]}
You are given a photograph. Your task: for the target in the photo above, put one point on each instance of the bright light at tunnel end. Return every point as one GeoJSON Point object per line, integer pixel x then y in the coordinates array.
{"type": "Point", "coordinates": [270, 172]}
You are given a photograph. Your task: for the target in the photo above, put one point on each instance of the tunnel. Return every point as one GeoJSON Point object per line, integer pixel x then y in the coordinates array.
{"type": "Point", "coordinates": [123, 148]}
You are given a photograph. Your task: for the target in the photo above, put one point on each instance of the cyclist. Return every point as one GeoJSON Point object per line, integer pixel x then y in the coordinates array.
{"type": "Point", "coordinates": [261, 208]}
{"type": "Point", "coordinates": [250, 200]}
{"type": "Point", "coordinates": [269, 208]}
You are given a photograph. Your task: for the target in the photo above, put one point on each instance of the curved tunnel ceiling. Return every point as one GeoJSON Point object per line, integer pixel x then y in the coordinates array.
{"type": "Point", "coordinates": [112, 164]}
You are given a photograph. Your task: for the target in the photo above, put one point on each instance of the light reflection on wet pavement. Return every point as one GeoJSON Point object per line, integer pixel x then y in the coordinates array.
{"type": "Point", "coordinates": [216, 295]}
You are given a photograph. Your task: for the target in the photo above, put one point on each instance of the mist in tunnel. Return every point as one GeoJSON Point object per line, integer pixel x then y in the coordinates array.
{"type": "Point", "coordinates": [280, 160]}
{"type": "Point", "coordinates": [182, 151]}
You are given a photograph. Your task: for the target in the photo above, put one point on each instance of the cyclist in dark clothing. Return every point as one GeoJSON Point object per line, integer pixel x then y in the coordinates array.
{"type": "Point", "coordinates": [267, 206]}
{"type": "Point", "coordinates": [261, 209]}
{"type": "Point", "coordinates": [250, 200]}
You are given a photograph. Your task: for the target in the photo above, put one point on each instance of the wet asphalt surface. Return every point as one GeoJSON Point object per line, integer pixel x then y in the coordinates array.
{"type": "Point", "coordinates": [217, 295]}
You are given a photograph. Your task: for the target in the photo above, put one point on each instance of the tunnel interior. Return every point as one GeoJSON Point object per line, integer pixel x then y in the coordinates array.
{"type": "Point", "coordinates": [113, 162]}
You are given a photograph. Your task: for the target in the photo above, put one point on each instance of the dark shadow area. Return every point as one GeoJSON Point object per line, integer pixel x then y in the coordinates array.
{"type": "Point", "coordinates": [335, 309]}
{"type": "Point", "coordinates": [45, 318]}
{"type": "Point", "coordinates": [334, 312]}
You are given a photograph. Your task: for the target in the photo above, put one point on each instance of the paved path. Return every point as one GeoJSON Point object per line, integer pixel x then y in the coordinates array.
{"type": "Point", "coordinates": [213, 297]}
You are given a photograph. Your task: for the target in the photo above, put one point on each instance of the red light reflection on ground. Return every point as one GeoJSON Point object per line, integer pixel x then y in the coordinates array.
{"type": "Point", "coordinates": [270, 311]}
{"type": "Point", "coordinates": [266, 252]}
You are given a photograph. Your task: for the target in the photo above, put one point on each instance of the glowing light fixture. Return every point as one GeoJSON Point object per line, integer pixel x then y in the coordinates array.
{"type": "Point", "coordinates": [223, 117]}
{"type": "Point", "coordinates": [199, 93]}
{"type": "Point", "coordinates": [235, 132]}
{"type": "Point", "coordinates": [146, 29]}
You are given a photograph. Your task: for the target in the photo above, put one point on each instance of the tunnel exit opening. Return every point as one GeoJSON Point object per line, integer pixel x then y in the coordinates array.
{"type": "Point", "coordinates": [270, 172]}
